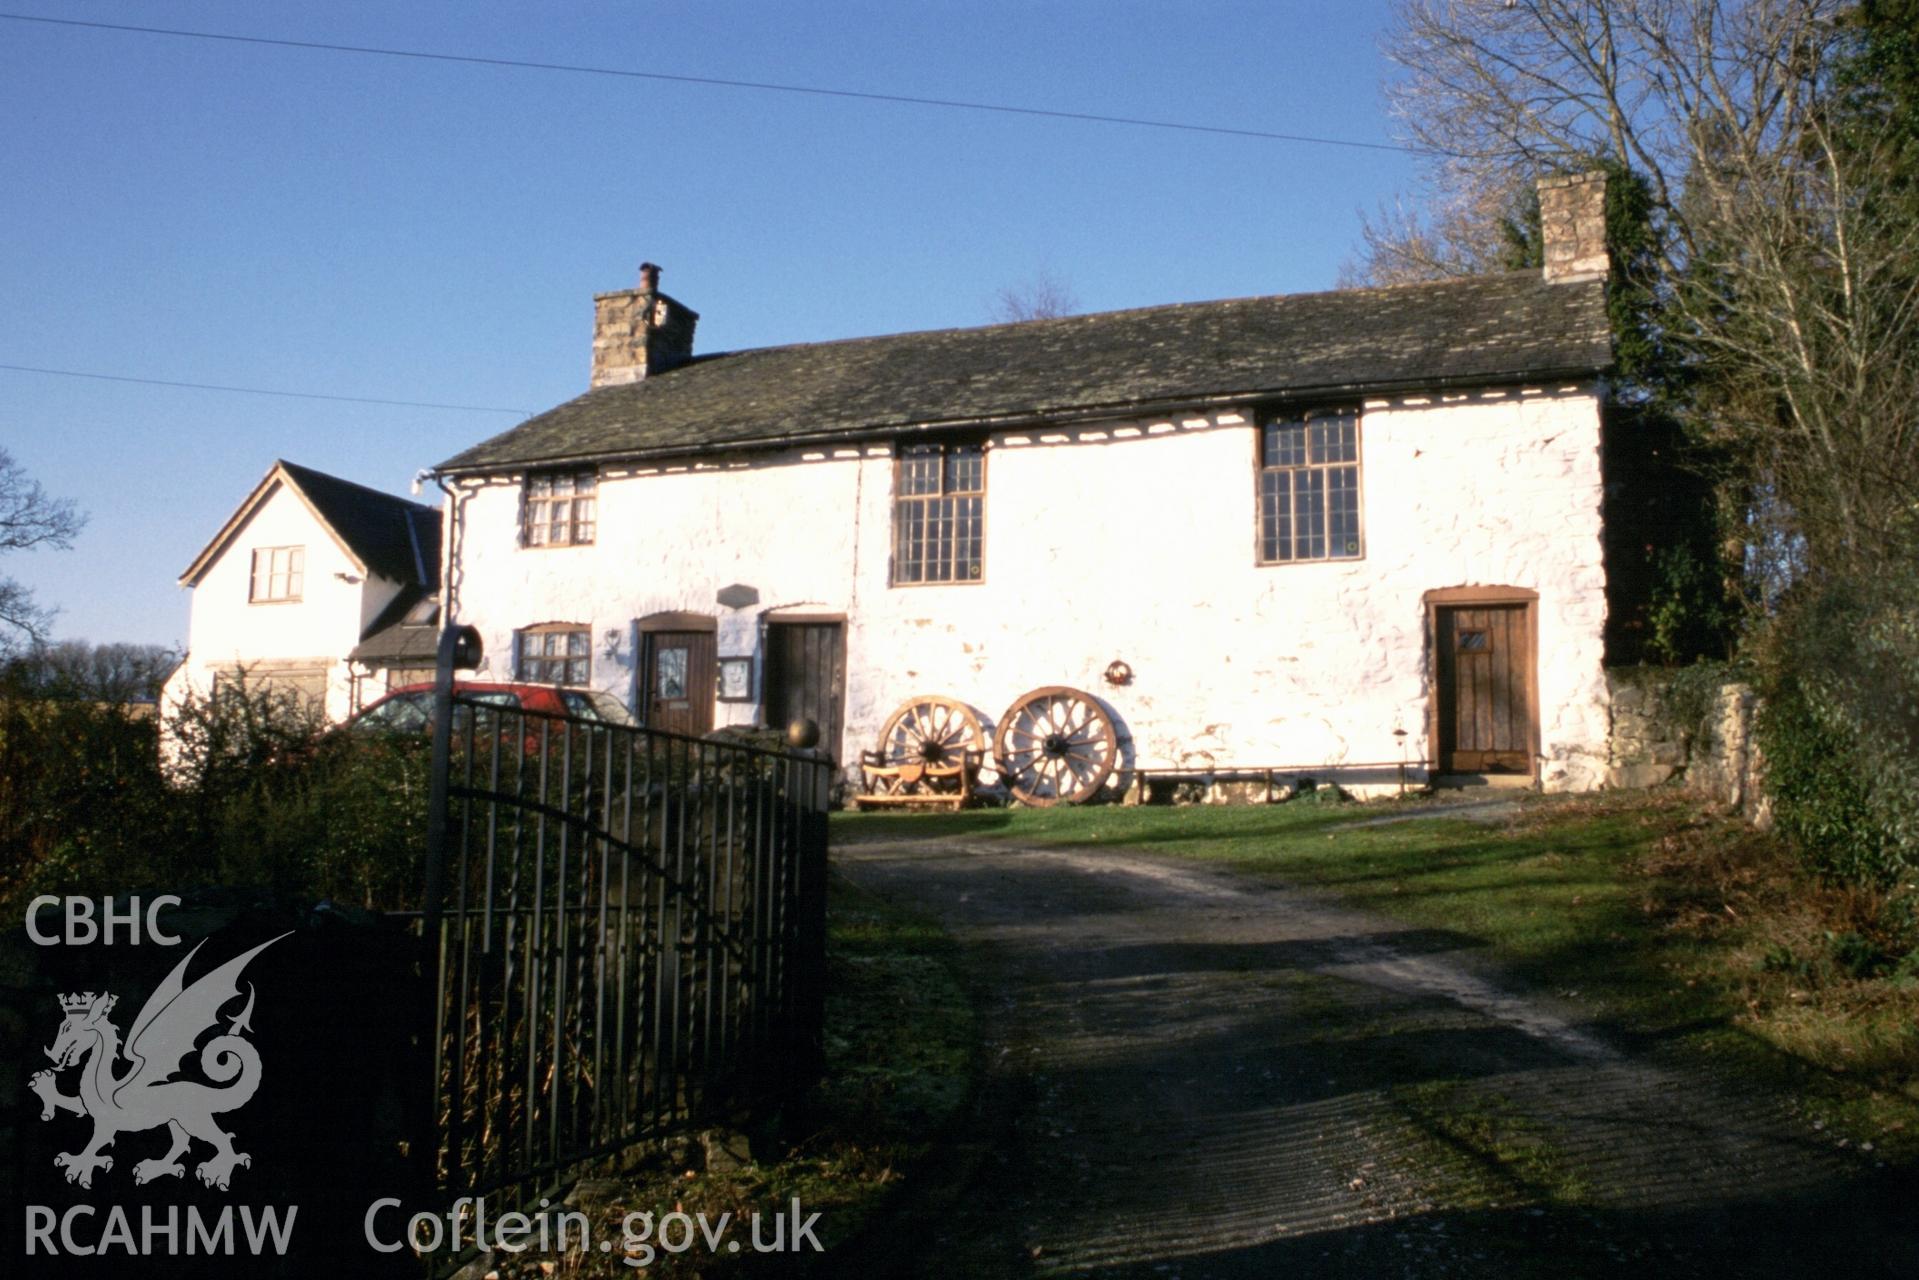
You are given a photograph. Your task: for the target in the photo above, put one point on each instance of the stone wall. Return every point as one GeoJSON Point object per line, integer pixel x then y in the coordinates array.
{"type": "Point", "coordinates": [1669, 724]}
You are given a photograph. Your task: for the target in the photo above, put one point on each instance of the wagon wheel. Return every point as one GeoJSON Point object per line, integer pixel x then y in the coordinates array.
{"type": "Point", "coordinates": [1055, 746]}
{"type": "Point", "coordinates": [932, 730]}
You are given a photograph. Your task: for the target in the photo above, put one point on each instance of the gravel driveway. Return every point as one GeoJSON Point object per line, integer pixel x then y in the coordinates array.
{"type": "Point", "coordinates": [1192, 1073]}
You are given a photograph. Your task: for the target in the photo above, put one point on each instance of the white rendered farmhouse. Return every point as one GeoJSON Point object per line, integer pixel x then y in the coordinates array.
{"type": "Point", "coordinates": [1321, 533]}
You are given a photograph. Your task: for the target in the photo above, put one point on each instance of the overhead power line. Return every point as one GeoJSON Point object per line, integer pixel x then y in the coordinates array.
{"type": "Point", "coordinates": [716, 81]}
{"type": "Point", "coordinates": [259, 391]}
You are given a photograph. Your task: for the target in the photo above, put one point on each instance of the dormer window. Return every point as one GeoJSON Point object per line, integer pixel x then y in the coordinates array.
{"type": "Point", "coordinates": [558, 509]}
{"type": "Point", "coordinates": [279, 573]}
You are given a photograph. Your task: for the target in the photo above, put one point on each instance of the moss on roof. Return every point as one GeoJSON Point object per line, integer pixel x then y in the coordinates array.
{"type": "Point", "coordinates": [1484, 329]}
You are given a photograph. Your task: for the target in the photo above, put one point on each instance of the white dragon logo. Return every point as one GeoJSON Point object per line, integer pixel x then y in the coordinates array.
{"type": "Point", "coordinates": [146, 1096]}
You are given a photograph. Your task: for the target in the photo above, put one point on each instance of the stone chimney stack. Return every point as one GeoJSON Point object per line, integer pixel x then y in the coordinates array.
{"type": "Point", "coordinates": [639, 332]}
{"type": "Point", "coordinates": [1572, 222]}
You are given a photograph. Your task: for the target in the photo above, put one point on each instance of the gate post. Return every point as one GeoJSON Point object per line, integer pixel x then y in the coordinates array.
{"type": "Point", "coordinates": [807, 1029]}
{"type": "Point", "coordinates": [459, 649]}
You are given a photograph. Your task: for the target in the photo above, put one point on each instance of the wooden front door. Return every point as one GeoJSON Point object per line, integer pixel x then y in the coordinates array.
{"type": "Point", "coordinates": [678, 681]}
{"type": "Point", "coordinates": [1485, 711]}
{"type": "Point", "coordinates": [805, 675]}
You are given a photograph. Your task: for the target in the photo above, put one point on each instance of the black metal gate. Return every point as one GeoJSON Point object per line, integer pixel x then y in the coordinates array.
{"type": "Point", "coordinates": [631, 936]}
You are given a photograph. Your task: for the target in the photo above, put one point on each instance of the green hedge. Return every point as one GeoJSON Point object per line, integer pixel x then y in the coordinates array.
{"type": "Point", "coordinates": [249, 789]}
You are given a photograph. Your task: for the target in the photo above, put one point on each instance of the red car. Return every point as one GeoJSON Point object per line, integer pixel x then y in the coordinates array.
{"type": "Point", "coordinates": [409, 709]}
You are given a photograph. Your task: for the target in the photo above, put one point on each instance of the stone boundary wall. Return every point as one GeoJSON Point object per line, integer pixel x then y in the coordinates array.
{"type": "Point", "coordinates": [1703, 736]}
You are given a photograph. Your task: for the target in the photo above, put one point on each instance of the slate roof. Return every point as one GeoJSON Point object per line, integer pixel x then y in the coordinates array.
{"type": "Point", "coordinates": [1485, 329]}
{"type": "Point", "coordinates": [394, 538]}
{"type": "Point", "coordinates": [390, 640]}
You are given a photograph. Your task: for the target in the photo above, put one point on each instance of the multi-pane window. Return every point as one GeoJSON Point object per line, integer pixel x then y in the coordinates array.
{"type": "Point", "coordinates": [556, 655]}
{"type": "Point", "coordinates": [558, 508]}
{"type": "Point", "coordinates": [939, 500]}
{"type": "Point", "coordinates": [279, 573]}
{"type": "Point", "coordinates": [1309, 487]}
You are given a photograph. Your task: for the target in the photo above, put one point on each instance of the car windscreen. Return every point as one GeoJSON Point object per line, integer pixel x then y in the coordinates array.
{"type": "Point", "coordinates": [402, 713]}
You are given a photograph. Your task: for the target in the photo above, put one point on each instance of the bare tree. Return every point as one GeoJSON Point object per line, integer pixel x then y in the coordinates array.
{"type": "Point", "coordinates": [28, 519]}
{"type": "Point", "coordinates": [1778, 283]}
{"type": "Point", "coordinates": [1043, 297]}
{"type": "Point", "coordinates": [1464, 233]}
{"type": "Point", "coordinates": [1501, 93]}
{"type": "Point", "coordinates": [1804, 310]}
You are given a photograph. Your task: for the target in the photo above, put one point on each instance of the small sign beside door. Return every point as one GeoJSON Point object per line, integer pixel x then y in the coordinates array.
{"type": "Point", "coordinates": [736, 679]}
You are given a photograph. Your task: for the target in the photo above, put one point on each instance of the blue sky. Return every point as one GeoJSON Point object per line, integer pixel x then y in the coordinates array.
{"type": "Point", "coordinates": [368, 226]}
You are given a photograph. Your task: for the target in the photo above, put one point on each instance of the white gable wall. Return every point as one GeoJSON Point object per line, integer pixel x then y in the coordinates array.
{"type": "Point", "coordinates": [228, 630]}
{"type": "Point", "coordinates": [1131, 541]}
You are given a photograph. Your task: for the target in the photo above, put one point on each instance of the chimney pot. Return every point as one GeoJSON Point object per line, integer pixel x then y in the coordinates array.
{"type": "Point", "coordinates": [649, 278]}
{"type": "Point", "coordinates": [1572, 225]}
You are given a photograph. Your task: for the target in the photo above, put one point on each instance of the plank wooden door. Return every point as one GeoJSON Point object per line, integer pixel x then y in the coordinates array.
{"type": "Point", "coordinates": [677, 682]}
{"type": "Point", "coordinates": [1485, 657]}
{"type": "Point", "coordinates": [805, 675]}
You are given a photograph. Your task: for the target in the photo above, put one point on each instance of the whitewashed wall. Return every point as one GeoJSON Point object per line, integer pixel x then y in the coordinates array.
{"type": "Point", "coordinates": [1129, 541]}
{"type": "Point", "coordinates": [226, 629]}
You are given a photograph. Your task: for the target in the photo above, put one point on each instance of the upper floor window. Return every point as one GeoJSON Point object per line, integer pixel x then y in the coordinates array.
{"type": "Point", "coordinates": [558, 508]}
{"type": "Point", "coordinates": [279, 573]}
{"type": "Point", "coordinates": [939, 499]}
{"type": "Point", "coordinates": [1309, 487]}
{"type": "Point", "coordinates": [555, 653]}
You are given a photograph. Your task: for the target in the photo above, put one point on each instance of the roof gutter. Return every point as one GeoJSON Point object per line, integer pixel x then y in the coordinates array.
{"type": "Point", "coordinates": [1062, 417]}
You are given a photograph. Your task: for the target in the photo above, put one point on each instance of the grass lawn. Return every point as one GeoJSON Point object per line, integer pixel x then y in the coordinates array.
{"type": "Point", "coordinates": [1681, 933]}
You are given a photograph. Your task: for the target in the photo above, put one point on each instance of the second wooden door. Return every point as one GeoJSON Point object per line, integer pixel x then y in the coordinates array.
{"type": "Point", "coordinates": [1485, 655]}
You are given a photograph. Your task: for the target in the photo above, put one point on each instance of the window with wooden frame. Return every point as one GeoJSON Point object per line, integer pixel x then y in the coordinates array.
{"type": "Point", "coordinates": [558, 508]}
{"type": "Point", "coordinates": [1309, 487]}
{"type": "Point", "coordinates": [555, 653]}
{"type": "Point", "coordinates": [279, 573]}
{"type": "Point", "coordinates": [939, 513]}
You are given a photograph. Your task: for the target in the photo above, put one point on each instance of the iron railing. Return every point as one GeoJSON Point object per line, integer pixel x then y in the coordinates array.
{"type": "Point", "coordinates": [630, 932]}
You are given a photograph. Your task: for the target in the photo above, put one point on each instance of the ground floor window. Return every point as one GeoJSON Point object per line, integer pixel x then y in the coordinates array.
{"type": "Point", "coordinates": [556, 653]}
{"type": "Point", "coordinates": [306, 686]}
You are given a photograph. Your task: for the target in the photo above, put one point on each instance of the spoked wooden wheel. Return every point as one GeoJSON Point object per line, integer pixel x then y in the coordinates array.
{"type": "Point", "coordinates": [1055, 746]}
{"type": "Point", "coordinates": [934, 731]}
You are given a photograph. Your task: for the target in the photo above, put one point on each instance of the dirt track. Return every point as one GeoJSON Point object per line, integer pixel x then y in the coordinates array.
{"type": "Point", "coordinates": [1196, 1074]}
